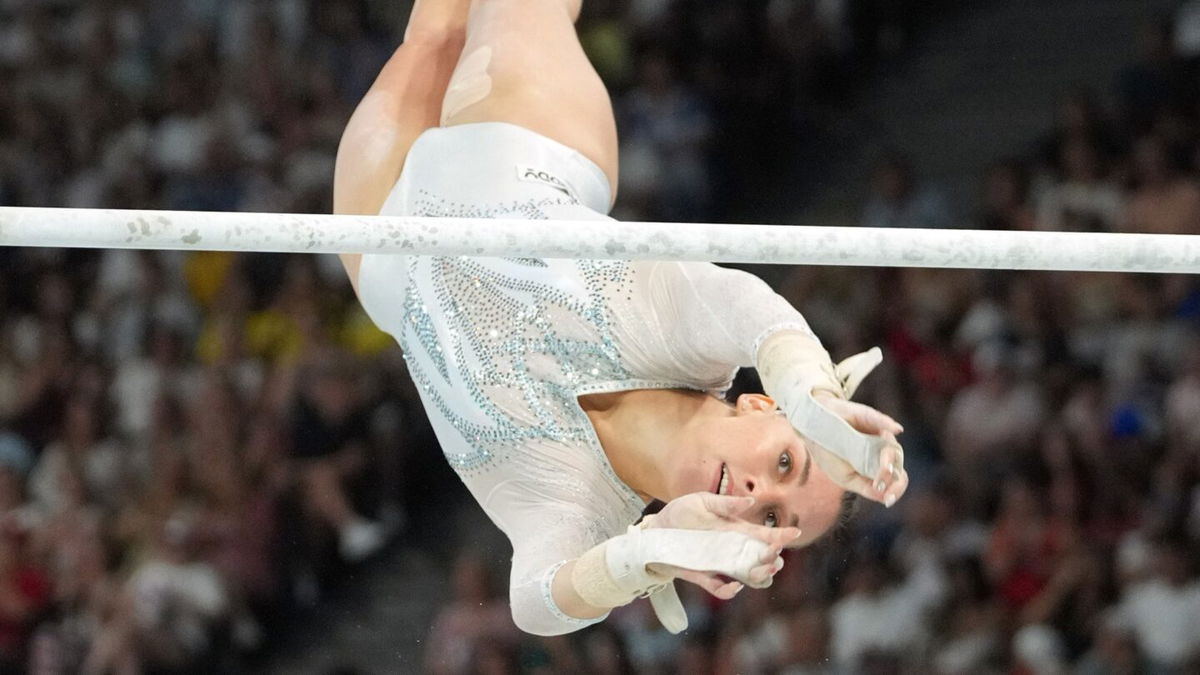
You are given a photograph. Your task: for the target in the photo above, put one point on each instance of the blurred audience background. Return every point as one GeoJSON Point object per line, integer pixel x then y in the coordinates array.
{"type": "Point", "coordinates": [200, 451]}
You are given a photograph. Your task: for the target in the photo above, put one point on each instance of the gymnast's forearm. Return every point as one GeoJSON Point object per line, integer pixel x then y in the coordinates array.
{"type": "Point", "coordinates": [567, 598]}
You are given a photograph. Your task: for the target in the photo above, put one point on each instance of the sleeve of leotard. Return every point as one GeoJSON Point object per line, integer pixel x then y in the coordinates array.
{"type": "Point", "coordinates": [542, 547]}
{"type": "Point", "coordinates": [715, 314]}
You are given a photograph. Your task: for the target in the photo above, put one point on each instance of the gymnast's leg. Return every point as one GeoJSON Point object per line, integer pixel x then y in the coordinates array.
{"type": "Point", "coordinates": [405, 100]}
{"type": "Point", "coordinates": [523, 64]}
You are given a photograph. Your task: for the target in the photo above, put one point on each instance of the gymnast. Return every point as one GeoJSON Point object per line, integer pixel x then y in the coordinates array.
{"type": "Point", "coordinates": [568, 394]}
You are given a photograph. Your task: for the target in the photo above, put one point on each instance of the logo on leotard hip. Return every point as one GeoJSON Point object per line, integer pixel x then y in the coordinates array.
{"type": "Point", "coordinates": [532, 175]}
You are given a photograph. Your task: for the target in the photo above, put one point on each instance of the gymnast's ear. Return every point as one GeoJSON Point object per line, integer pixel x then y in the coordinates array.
{"type": "Point", "coordinates": [754, 403]}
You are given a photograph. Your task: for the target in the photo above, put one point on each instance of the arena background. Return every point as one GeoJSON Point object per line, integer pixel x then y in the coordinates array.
{"type": "Point", "coordinates": [213, 463]}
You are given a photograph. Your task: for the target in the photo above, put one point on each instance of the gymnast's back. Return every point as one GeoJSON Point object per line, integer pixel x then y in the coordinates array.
{"type": "Point", "coordinates": [501, 349]}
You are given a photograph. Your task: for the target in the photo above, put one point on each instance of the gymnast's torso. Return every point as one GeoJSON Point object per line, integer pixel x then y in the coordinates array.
{"type": "Point", "coordinates": [502, 349]}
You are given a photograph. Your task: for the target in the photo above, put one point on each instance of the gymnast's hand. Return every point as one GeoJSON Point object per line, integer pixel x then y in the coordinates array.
{"type": "Point", "coordinates": [712, 512]}
{"type": "Point", "coordinates": [891, 480]}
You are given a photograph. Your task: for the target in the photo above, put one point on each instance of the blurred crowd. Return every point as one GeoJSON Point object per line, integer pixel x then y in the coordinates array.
{"type": "Point", "coordinates": [195, 447]}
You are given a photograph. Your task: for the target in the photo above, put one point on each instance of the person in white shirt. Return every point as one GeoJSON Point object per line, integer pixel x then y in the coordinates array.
{"type": "Point", "coordinates": [1163, 612]}
{"type": "Point", "coordinates": [568, 394]}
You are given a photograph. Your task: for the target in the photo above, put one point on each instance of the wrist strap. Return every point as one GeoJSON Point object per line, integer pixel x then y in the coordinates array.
{"type": "Point", "coordinates": [823, 427]}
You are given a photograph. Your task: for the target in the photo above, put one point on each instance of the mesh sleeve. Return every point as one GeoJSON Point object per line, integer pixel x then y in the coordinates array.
{"type": "Point", "coordinates": [540, 548]}
{"type": "Point", "coordinates": [715, 313]}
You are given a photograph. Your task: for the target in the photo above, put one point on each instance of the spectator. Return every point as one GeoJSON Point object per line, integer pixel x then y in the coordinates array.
{"type": "Point", "coordinates": [81, 447]}
{"type": "Point", "coordinates": [1082, 199]}
{"type": "Point", "coordinates": [898, 200]}
{"type": "Point", "coordinates": [992, 421]}
{"type": "Point", "coordinates": [1156, 80]}
{"type": "Point", "coordinates": [1164, 202]}
{"type": "Point", "coordinates": [330, 441]}
{"type": "Point", "coordinates": [180, 602]}
{"type": "Point", "coordinates": [1039, 651]}
{"type": "Point", "coordinates": [16, 458]}
{"type": "Point", "coordinates": [1078, 119]}
{"type": "Point", "coordinates": [24, 592]}
{"type": "Point", "coordinates": [478, 621]}
{"type": "Point", "coordinates": [1162, 611]}
{"type": "Point", "coordinates": [667, 134]}
{"type": "Point", "coordinates": [1026, 544]}
{"type": "Point", "coordinates": [807, 651]}
{"type": "Point", "coordinates": [1006, 197]}
{"type": "Point", "coordinates": [882, 616]}
{"type": "Point", "coordinates": [1114, 652]}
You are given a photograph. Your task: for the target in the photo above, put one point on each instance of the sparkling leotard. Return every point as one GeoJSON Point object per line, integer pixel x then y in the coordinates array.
{"type": "Point", "coordinates": [501, 349]}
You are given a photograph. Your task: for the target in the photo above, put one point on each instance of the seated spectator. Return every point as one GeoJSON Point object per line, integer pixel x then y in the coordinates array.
{"type": "Point", "coordinates": [1026, 544]}
{"type": "Point", "coordinates": [1078, 118]}
{"type": "Point", "coordinates": [1182, 403]}
{"type": "Point", "coordinates": [1005, 198]}
{"type": "Point", "coordinates": [24, 592]}
{"type": "Point", "coordinates": [330, 430]}
{"type": "Point", "coordinates": [1038, 650]}
{"type": "Point", "coordinates": [882, 613]}
{"type": "Point", "coordinates": [181, 604]}
{"type": "Point", "coordinates": [140, 383]}
{"type": "Point", "coordinates": [16, 458]}
{"type": "Point", "coordinates": [476, 617]}
{"type": "Point", "coordinates": [667, 130]}
{"type": "Point", "coordinates": [971, 625]}
{"type": "Point", "coordinates": [82, 445]}
{"type": "Point", "coordinates": [992, 421]}
{"type": "Point", "coordinates": [89, 628]}
{"type": "Point", "coordinates": [1164, 201]}
{"type": "Point", "coordinates": [898, 200]}
{"type": "Point", "coordinates": [807, 650]}
{"type": "Point", "coordinates": [1163, 612]}
{"type": "Point", "coordinates": [604, 653]}
{"type": "Point", "coordinates": [1156, 80]}
{"type": "Point", "coordinates": [762, 634]}
{"type": "Point", "coordinates": [1082, 199]}
{"type": "Point", "coordinates": [1114, 651]}
{"type": "Point", "coordinates": [235, 531]}
{"type": "Point", "coordinates": [935, 527]}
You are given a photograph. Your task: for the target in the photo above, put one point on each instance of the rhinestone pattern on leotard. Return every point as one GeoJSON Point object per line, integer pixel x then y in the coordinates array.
{"type": "Point", "coordinates": [523, 346]}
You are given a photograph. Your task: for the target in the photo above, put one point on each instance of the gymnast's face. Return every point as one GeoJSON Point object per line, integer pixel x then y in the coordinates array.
{"type": "Point", "coordinates": [753, 451]}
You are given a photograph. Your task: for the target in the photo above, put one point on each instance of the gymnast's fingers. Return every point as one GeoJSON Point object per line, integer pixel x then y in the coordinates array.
{"type": "Point", "coordinates": [897, 488]}
{"type": "Point", "coordinates": [866, 419]}
{"type": "Point", "coordinates": [751, 526]}
{"type": "Point", "coordinates": [716, 586]}
{"type": "Point", "coordinates": [891, 470]}
{"type": "Point", "coordinates": [726, 506]}
{"type": "Point", "coordinates": [763, 575]}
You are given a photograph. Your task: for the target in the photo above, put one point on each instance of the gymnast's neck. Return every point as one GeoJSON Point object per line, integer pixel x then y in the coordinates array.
{"type": "Point", "coordinates": [642, 430]}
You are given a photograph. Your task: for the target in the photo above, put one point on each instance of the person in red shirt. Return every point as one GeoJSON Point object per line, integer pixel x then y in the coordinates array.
{"type": "Point", "coordinates": [24, 593]}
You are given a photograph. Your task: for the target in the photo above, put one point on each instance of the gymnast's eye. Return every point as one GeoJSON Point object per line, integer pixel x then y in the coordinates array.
{"type": "Point", "coordinates": [771, 520]}
{"type": "Point", "coordinates": [785, 461]}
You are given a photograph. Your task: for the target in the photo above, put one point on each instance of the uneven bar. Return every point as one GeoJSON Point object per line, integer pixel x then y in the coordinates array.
{"type": "Point", "coordinates": [599, 239]}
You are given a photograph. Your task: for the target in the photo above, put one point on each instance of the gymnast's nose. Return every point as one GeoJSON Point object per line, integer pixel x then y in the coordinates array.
{"type": "Point", "coordinates": [752, 486]}
{"type": "Point", "coordinates": [762, 490]}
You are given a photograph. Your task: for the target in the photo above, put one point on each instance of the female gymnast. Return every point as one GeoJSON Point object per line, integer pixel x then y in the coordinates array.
{"type": "Point", "coordinates": [568, 394]}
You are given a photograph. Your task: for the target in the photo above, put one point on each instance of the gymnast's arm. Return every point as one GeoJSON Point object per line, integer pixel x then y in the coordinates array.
{"type": "Point", "coordinates": [566, 576]}
{"type": "Point", "coordinates": [715, 314]}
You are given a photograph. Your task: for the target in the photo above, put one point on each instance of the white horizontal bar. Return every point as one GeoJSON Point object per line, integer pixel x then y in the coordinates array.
{"type": "Point", "coordinates": [599, 239]}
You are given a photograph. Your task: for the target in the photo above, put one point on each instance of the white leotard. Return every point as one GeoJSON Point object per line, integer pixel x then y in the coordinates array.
{"type": "Point", "coordinates": [501, 349]}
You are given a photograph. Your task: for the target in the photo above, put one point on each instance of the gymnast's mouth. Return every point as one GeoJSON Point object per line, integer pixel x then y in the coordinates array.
{"type": "Point", "coordinates": [723, 481]}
